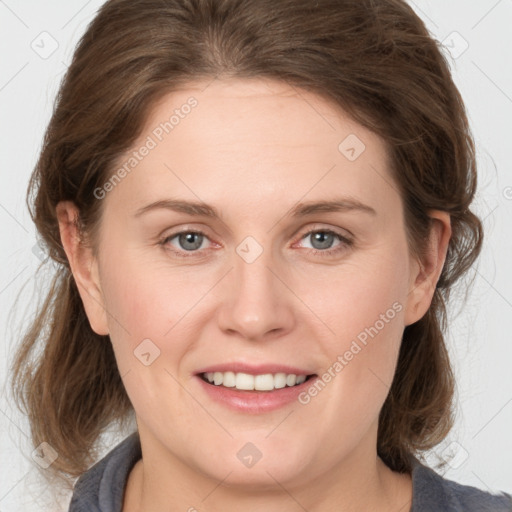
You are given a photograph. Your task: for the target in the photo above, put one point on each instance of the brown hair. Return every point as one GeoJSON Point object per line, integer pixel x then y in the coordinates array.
{"type": "Point", "coordinates": [373, 58]}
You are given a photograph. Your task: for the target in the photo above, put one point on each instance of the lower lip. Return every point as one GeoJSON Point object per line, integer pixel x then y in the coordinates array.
{"type": "Point", "coordinates": [254, 402]}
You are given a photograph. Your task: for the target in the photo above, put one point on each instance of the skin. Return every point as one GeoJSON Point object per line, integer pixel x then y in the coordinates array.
{"type": "Point", "coordinates": [253, 149]}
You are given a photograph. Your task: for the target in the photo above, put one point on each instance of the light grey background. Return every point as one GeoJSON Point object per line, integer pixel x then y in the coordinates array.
{"type": "Point", "coordinates": [477, 34]}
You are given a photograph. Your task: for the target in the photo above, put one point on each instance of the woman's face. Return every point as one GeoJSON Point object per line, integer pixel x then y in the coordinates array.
{"type": "Point", "coordinates": [291, 277]}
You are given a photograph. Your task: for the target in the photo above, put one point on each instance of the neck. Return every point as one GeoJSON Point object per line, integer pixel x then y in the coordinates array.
{"type": "Point", "coordinates": [360, 482]}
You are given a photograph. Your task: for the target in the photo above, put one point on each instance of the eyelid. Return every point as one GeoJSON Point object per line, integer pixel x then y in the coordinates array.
{"type": "Point", "coordinates": [344, 234]}
{"type": "Point", "coordinates": [164, 239]}
{"type": "Point", "coordinates": [346, 240]}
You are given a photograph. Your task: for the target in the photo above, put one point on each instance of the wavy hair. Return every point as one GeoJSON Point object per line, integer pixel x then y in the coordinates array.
{"type": "Point", "coordinates": [373, 58]}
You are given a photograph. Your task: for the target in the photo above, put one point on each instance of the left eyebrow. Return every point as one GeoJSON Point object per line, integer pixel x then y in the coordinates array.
{"type": "Point", "coordinates": [199, 209]}
{"type": "Point", "coordinates": [336, 205]}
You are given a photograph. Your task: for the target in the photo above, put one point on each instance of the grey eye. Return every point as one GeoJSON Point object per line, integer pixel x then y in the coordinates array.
{"type": "Point", "coordinates": [322, 239]}
{"type": "Point", "coordinates": [190, 241]}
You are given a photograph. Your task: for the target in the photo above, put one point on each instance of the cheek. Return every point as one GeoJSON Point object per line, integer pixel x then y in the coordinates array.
{"type": "Point", "coordinates": [151, 298]}
{"type": "Point", "coordinates": [145, 308]}
{"type": "Point", "coordinates": [153, 301]}
{"type": "Point", "coordinates": [361, 295]}
{"type": "Point", "coordinates": [364, 310]}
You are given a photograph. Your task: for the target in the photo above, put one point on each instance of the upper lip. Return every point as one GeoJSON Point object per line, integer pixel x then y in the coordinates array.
{"type": "Point", "coordinates": [252, 369]}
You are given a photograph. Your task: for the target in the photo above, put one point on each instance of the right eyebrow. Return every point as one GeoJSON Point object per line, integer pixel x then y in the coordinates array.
{"type": "Point", "coordinates": [188, 207]}
{"type": "Point", "coordinates": [200, 209]}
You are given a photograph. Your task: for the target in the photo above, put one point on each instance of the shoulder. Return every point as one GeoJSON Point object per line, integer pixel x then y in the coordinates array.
{"type": "Point", "coordinates": [101, 487]}
{"type": "Point", "coordinates": [433, 493]}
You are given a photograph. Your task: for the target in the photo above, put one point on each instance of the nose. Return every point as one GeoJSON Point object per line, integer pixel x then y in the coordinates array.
{"type": "Point", "coordinates": [256, 302]}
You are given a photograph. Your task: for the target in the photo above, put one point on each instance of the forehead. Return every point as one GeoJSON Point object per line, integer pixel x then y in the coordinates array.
{"type": "Point", "coordinates": [253, 112]}
{"type": "Point", "coordinates": [252, 141]}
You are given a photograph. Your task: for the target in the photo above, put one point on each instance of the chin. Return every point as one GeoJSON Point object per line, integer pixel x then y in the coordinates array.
{"type": "Point", "coordinates": [261, 464]}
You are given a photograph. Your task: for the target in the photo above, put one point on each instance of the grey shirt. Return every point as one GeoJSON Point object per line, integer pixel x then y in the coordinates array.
{"type": "Point", "coordinates": [101, 488]}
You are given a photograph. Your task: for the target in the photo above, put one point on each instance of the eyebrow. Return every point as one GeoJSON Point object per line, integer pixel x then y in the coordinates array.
{"type": "Point", "coordinates": [199, 209]}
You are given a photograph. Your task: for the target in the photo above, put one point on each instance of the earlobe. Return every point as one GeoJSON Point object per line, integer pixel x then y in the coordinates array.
{"type": "Point", "coordinates": [425, 274]}
{"type": "Point", "coordinates": [83, 265]}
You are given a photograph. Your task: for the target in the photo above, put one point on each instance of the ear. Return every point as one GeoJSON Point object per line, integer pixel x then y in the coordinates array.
{"type": "Point", "coordinates": [84, 266]}
{"type": "Point", "coordinates": [425, 274]}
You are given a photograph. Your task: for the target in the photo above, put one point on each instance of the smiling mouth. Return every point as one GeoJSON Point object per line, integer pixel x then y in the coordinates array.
{"type": "Point", "coordinates": [247, 382]}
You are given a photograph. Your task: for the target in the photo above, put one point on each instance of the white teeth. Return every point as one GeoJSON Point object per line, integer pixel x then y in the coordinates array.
{"type": "Point", "coordinates": [246, 381]}
{"type": "Point", "coordinates": [264, 382]}
{"type": "Point", "coordinates": [279, 380]}
{"type": "Point", "coordinates": [290, 379]}
{"type": "Point", "coordinates": [229, 380]}
{"type": "Point", "coordinates": [300, 379]}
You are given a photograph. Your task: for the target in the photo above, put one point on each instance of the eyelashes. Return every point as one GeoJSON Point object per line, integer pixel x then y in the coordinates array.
{"type": "Point", "coordinates": [345, 243]}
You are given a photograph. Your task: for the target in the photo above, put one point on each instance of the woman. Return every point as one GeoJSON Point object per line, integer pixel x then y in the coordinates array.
{"type": "Point", "coordinates": [258, 210]}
